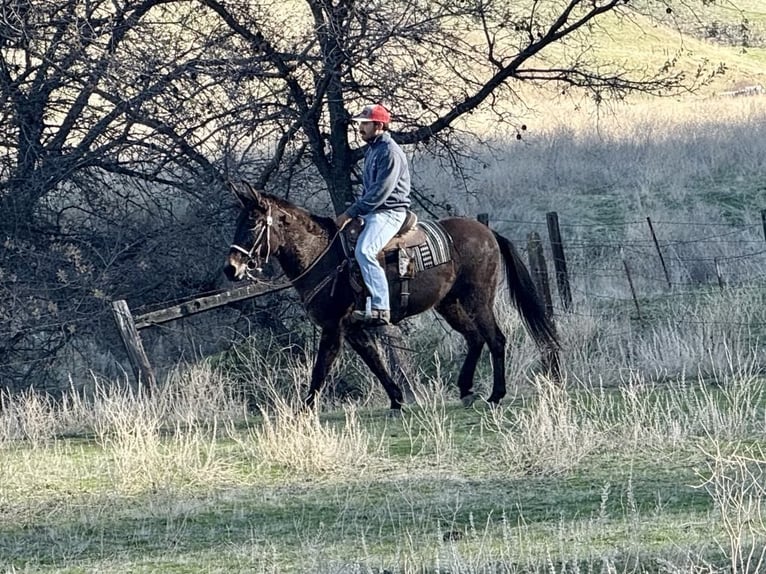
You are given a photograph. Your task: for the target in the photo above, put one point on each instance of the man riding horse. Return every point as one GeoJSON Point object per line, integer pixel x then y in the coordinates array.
{"type": "Point", "coordinates": [457, 277]}
{"type": "Point", "coordinates": [382, 205]}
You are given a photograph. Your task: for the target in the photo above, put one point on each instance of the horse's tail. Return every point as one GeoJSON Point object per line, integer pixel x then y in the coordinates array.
{"type": "Point", "coordinates": [526, 299]}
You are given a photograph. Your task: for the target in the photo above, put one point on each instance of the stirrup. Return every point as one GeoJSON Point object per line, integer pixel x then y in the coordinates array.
{"type": "Point", "coordinates": [376, 317]}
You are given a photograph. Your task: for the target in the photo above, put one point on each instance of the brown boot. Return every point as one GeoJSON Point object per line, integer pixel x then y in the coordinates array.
{"type": "Point", "coordinates": [376, 317]}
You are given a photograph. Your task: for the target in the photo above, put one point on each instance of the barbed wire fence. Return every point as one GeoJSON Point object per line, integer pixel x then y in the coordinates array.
{"type": "Point", "coordinates": [644, 259]}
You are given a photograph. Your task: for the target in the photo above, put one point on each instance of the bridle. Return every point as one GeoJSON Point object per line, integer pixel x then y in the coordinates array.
{"type": "Point", "coordinates": [262, 233]}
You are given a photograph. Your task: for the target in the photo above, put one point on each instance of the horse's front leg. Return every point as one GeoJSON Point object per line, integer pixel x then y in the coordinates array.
{"type": "Point", "coordinates": [367, 344]}
{"type": "Point", "coordinates": [329, 347]}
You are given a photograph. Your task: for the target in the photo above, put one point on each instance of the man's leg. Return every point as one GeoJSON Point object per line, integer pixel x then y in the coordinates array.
{"type": "Point", "coordinates": [379, 228]}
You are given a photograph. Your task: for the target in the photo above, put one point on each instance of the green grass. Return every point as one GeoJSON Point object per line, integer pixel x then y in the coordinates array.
{"type": "Point", "coordinates": [644, 40]}
{"type": "Point", "coordinates": [411, 505]}
{"type": "Point", "coordinates": [658, 42]}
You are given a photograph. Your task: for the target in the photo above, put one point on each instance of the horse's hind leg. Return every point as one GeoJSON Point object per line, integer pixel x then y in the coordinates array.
{"type": "Point", "coordinates": [468, 370]}
{"type": "Point", "coordinates": [329, 346]}
{"type": "Point", "coordinates": [456, 316]}
{"type": "Point", "coordinates": [493, 335]}
{"type": "Point", "coordinates": [551, 365]}
{"type": "Point", "coordinates": [367, 344]}
{"type": "Point", "coordinates": [477, 323]}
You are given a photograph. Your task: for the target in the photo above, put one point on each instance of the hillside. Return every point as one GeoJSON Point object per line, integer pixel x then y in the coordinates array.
{"type": "Point", "coordinates": [724, 40]}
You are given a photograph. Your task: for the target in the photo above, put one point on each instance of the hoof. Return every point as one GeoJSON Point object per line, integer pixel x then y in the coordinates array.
{"type": "Point", "coordinates": [494, 401]}
{"type": "Point", "coordinates": [468, 400]}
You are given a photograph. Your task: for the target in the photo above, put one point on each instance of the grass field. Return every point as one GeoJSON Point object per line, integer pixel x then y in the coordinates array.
{"type": "Point", "coordinates": [556, 482]}
{"type": "Point", "coordinates": [649, 459]}
{"type": "Point", "coordinates": [652, 464]}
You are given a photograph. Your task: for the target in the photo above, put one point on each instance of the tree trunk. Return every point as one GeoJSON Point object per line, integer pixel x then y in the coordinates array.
{"type": "Point", "coordinates": [17, 208]}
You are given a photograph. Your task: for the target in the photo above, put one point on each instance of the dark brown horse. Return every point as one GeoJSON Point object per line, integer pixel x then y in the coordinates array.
{"type": "Point", "coordinates": [309, 250]}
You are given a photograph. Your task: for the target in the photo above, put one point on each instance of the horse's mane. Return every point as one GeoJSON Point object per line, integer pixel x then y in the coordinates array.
{"type": "Point", "coordinates": [325, 223]}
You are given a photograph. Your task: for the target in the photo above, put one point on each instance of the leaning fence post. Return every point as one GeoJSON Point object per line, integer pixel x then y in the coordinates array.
{"type": "Point", "coordinates": [539, 270]}
{"type": "Point", "coordinates": [559, 261]}
{"type": "Point", "coordinates": [142, 369]}
{"type": "Point", "coordinates": [630, 283]}
{"type": "Point", "coordinates": [719, 274]}
{"type": "Point", "coordinates": [659, 252]}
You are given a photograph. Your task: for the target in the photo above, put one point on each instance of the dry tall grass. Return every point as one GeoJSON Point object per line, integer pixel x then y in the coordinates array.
{"type": "Point", "coordinates": [656, 156]}
{"type": "Point", "coordinates": [145, 446]}
{"type": "Point", "coordinates": [350, 491]}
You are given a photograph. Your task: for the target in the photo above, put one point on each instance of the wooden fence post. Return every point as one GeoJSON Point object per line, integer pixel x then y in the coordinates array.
{"type": "Point", "coordinates": [719, 274]}
{"type": "Point", "coordinates": [763, 223]}
{"type": "Point", "coordinates": [659, 252]}
{"type": "Point", "coordinates": [539, 270]}
{"type": "Point", "coordinates": [630, 283]}
{"type": "Point", "coordinates": [142, 369]}
{"type": "Point", "coordinates": [129, 326]}
{"type": "Point", "coordinates": [559, 261]}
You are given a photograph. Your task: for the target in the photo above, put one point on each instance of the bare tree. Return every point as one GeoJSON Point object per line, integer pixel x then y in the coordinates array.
{"type": "Point", "coordinates": [98, 97]}
{"type": "Point", "coordinates": [91, 85]}
{"type": "Point", "coordinates": [431, 61]}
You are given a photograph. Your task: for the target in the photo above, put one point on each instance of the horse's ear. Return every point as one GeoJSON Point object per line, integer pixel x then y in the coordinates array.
{"type": "Point", "coordinates": [254, 194]}
{"type": "Point", "coordinates": [246, 194]}
{"type": "Point", "coordinates": [238, 192]}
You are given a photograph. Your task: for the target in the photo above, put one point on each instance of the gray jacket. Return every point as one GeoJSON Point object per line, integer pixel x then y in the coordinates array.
{"type": "Point", "coordinates": [385, 180]}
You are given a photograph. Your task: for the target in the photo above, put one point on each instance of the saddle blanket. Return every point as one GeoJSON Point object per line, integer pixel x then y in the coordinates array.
{"type": "Point", "coordinates": [436, 248]}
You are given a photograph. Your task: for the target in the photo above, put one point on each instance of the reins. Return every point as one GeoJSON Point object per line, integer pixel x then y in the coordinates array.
{"type": "Point", "coordinates": [331, 277]}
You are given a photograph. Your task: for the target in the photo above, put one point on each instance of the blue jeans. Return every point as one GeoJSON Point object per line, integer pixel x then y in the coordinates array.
{"type": "Point", "coordinates": [379, 228]}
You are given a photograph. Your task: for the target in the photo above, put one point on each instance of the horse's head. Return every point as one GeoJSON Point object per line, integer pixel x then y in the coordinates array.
{"type": "Point", "coordinates": [256, 237]}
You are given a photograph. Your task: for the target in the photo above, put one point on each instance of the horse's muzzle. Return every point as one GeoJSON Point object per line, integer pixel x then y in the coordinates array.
{"type": "Point", "coordinates": [235, 268]}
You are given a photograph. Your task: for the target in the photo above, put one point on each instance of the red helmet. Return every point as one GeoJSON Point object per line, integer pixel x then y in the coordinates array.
{"type": "Point", "coordinates": [374, 113]}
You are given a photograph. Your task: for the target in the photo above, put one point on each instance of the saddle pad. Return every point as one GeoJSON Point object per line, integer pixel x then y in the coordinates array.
{"type": "Point", "coordinates": [436, 249]}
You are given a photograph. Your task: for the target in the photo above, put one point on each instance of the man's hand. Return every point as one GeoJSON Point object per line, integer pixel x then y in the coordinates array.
{"type": "Point", "coordinates": [342, 220]}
